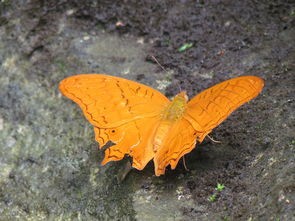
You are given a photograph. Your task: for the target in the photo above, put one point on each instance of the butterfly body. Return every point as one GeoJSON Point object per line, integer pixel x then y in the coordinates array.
{"type": "Point", "coordinates": [176, 107]}
{"type": "Point", "coordinates": [146, 125]}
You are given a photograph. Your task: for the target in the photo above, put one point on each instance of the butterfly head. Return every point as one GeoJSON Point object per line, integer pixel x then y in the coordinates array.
{"type": "Point", "coordinates": [182, 97]}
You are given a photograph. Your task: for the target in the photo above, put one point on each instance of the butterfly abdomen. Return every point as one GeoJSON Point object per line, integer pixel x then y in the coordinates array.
{"type": "Point", "coordinates": [160, 134]}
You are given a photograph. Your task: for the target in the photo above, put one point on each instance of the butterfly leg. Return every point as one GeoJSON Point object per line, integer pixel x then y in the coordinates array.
{"type": "Point", "coordinates": [214, 141]}
{"type": "Point", "coordinates": [184, 164]}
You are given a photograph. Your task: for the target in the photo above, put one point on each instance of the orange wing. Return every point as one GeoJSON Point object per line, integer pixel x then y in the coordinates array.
{"type": "Point", "coordinates": [203, 113]}
{"type": "Point", "coordinates": [121, 111]}
{"type": "Point", "coordinates": [213, 105]}
{"type": "Point", "coordinates": [109, 101]}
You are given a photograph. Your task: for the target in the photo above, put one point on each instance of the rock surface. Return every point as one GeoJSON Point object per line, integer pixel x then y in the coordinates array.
{"type": "Point", "coordinates": [49, 160]}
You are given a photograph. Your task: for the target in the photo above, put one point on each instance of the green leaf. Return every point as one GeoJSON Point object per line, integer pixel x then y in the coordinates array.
{"type": "Point", "coordinates": [185, 47]}
{"type": "Point", "coordinates": [212, 198]}
{"type": "Point", "coordinates": [219, 187]}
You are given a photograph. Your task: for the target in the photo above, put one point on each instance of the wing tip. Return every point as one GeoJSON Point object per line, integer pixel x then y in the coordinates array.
{"type": "Point", "coordinates": [61, 86]}
{"type": "Point", "coordinates": [257, 82]}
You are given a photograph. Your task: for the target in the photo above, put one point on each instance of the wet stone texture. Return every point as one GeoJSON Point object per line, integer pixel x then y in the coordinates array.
{"type": "Point", "coordinates": [49, 162]}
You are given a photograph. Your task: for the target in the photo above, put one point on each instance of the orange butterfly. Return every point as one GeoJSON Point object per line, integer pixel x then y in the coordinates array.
{"type": "Point", "coordinates": [145, 124]}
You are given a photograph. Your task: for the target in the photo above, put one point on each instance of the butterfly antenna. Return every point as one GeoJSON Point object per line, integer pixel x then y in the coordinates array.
{"type": "Point", "coordinates": [155, 59]}
{"type": "Point", "coordinates": [211, 138]}
{"type": "Point", "coordinates": [179, 87]}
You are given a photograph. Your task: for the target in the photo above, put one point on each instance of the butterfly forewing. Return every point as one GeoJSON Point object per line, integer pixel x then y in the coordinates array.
{"type": "Point", "coordinates": [213, 105]}
{"type": "Point", "coordinates": [109, 101]}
